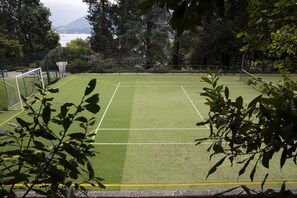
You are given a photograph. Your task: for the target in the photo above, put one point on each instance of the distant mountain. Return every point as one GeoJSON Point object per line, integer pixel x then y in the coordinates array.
{"type": "Point", "coordinates": [79, 26]}
{"type": "Point", "coordinates": [63, 14]}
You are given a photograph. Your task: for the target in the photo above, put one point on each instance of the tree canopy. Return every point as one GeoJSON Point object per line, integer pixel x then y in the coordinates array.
{"type": "Point", "coordinates": [27, 22]}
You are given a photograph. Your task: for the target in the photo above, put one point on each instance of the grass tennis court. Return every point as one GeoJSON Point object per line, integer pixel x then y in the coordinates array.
{"type": "Point", "coordinates": [146, 130]}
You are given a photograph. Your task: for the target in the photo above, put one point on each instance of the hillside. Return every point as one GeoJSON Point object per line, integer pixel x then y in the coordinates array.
{"type": "Point", "coordinates": [79, 26]}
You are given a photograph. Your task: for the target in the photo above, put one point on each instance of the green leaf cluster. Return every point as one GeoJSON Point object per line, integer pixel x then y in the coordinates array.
{"type": "Point", "coordinates": [272, 29]}
{"type": "Point", "coordinates": [45, 153]}
{"type": "Point", "coordinates": [252, 135]}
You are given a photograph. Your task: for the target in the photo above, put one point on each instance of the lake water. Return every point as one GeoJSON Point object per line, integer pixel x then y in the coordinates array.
{"type": "Point", "coordinates": [66, 38]}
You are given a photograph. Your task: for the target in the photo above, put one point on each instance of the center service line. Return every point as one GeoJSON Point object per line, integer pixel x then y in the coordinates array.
{"type": "Point", "coordinates": [106, 110]}
{"type": "Point", "coordinates": [194, 105]}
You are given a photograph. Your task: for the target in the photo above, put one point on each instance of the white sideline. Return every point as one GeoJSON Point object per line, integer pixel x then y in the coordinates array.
{"type": "Point", "coordinates": [194, 105]}
{"type": "Point", "coordinates": [106, 110]}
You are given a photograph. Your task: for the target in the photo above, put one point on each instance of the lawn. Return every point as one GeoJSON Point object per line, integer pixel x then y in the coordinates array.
{"type": "Point", "coordinates": [146, 129]}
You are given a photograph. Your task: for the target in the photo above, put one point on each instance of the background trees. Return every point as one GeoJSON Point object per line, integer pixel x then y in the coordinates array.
{"type": "Point", "coordinates": [27, 23]}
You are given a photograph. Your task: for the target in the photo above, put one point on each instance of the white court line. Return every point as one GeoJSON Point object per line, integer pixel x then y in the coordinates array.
{"type": "Point", "coordinates": [156, 86]}
{"type": "Point", "coordinates": [194, 105]}
{"type": "Point", "coordinates": [150, 129]}
{"type": "Point", "coordinates": [177, 82]}
{"type": "Point", "coordinates": [106, 110]}
{"type": "Point", "coordinates": [151, 143]}
{"type": "Point", "coordinates": [156, 82]}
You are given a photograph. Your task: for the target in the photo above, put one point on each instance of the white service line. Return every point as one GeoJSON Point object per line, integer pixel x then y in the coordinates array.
{"type": "Point", "coordinates": [106, 110]}
{"type": "Point", "coordinates": [151, 129]}
{"type": "Point", "coordinates": [143, 143]}
{"type": "Point", "coordinates": [152, 143]}
{"type": "Point", "coordinates": [194, 105]}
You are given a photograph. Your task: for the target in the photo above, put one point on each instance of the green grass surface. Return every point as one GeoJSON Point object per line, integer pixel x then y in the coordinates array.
{"type": "Point", "coordinates": [3, 102]}
{"type": "Point", "coordinates": [146, 130]}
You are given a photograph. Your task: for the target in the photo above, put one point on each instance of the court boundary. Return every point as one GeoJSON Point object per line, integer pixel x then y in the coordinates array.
{"type": "Point", "coordinates": [101, 120]}
{"type": "Point", "coordinates": [194, 105]}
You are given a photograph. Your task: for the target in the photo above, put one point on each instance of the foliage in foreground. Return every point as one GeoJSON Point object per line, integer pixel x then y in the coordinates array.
{"type": "Point", "coordinates": [255, 133]}
{"type": "Point", "coordinates": [45, 153]}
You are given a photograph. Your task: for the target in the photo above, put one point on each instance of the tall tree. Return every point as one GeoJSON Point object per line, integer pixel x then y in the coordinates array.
{"type": "Point", "coordinates": [28, 22]}
{"type": "Point", "coordinates": [142, 39]}
{"type": "Point", "coordinates": [100, 16]}
{"type": "Point", "coordinates": [127, 14]}
{"type": "Point", "coordinates": [156, 37]}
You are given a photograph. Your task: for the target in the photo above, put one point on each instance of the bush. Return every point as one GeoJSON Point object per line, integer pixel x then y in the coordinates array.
{"type": "Point", "coordinates": [78, 66]}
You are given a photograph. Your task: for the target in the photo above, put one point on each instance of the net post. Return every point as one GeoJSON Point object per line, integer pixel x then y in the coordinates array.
{"type": "Point", "coordinates": [41, 78]}
{"type": "Point", "coordinates": [242, 63]}
{"type": "Point", "coordinates": [19, 93]}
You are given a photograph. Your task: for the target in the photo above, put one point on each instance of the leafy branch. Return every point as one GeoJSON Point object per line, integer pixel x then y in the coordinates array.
{"type": "Point", "coordinates": [56, 154]}
{"type": "Point", "coordinates": [266, 126]}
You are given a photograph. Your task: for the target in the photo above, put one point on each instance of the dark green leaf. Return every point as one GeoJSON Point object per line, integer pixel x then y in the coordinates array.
{"type": "Point", "coordinates": [46, 114]}
{"type": "Point", "coordinates": [38, 144]}
{"type": "Point", "coordinates": [94, 99]}
{"type": "Point", "coordinates": [214, 168]}
{"type": "Point", "coordinates": [94, 108]}
{"type": "Point", "coordinates": [91, 86]}
{"type": "Point", "coordinates": [227, 92]}
{"type": "Point", "coordinates": [202, 123]}
{"type": "Point", "coordinates": [253, 172]}
{"type": "Point", "coordinates": [98, 181]}
{"type": "Point", "coordinates": [53, 90]}
{"type": "Point", "coordinates": [283, 157]}
{"type": "Point", "coordinates": [82, 119]}
{"type": "Point", "coordinates": [72, 151]}
{"type": "Point", "coordinates": [217, 148]}
{"type": "Point", "coordinates": [255, 101]}
{"type": "Point", "coordinates": [239, 102]}
{"type": "Point", "coordinates": [78, 135]}
{"type": "Point", "coordinates": [206, 79]}
{"type": "Point", "coordinates": [66, 123]}
{"type": "Point", "coordinates": [199, 141]}
{"type": "Point", "coordinates": [219, 88]}
{"type": "Point", "coordinates": [245, 165]}
{"type": "Point", "coordinates": [231, 158]}
{"type": "Point", "coordinates": [266, 158]}
{"type": "Point", "coordinates": [23, 123]}
{"type": "Point", "coordinates": [91, 170]}
{"type": "Point", "coordinates": [64, 110]}
{"type": "Point", "coordinates": [73, 175]}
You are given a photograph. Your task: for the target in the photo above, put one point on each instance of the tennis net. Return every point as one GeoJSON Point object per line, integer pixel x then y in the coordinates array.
{"type": "Point", "coordinates": [254, 81]}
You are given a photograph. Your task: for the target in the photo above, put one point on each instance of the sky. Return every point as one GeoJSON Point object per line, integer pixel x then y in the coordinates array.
{"type": "Point", "coordinates": [65, 11]}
